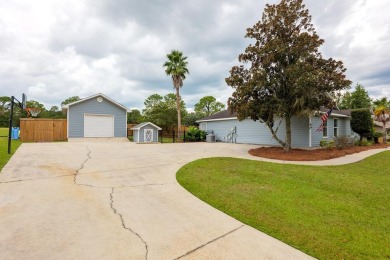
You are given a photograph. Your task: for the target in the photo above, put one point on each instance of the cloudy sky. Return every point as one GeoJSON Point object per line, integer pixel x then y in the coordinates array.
{"type": "Point", "coordinates": [54, 49]}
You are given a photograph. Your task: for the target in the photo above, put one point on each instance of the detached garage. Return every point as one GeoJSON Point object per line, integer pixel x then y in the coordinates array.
{"type": "Point", "coordinates": [96, 116]}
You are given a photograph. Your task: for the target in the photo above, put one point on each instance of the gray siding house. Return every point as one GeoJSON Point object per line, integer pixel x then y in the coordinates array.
{"type": "Point", "coordinates": [228, 128]}
{"type": "Point", "coordinates": [145, 133]}
{"type": "Point", "coordinates": [96, 116]}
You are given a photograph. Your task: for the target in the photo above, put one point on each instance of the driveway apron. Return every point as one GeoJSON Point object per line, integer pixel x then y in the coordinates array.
{"type": "Point", "coordinates": [119, 200]}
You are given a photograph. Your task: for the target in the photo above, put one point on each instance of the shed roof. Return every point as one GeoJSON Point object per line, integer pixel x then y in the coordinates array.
{"type": "Point", "coordinates": [139, 126]}
{"type": "Point", "coordinates": [227, 115]}
{"type": "Point", "coordinates": [65, 107]}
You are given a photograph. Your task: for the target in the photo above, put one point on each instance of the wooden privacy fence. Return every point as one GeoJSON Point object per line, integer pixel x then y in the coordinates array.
{"type": "Point", "coordinates": [43, 129]}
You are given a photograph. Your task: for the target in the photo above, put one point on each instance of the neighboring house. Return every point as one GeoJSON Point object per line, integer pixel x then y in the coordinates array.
{"type": "Point", "coordinates": [378, 127]}
{"type": "Point", "coordinates": [96, 116]}
{"type": "Point", "coordinates": [227, 127]}
{"type": "Point", "coordinates": [145, 133]}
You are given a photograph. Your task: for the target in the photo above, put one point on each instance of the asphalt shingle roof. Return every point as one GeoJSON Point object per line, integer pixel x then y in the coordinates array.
{"type": "Point", "coordinates": [220, 115]}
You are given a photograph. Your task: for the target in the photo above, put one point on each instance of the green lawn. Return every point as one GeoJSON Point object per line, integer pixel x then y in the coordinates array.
{"type": "Point", "coordinates": [4, 156]}
{"type": "Point", "coordinates": [330, 212]}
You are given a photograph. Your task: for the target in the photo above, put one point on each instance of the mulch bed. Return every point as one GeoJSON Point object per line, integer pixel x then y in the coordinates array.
{"type": "Point", "coordinates": [310, 155]}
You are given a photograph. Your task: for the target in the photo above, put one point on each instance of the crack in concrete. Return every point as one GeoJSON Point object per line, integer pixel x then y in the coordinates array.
{"type": "Point", "coordinates": [211, 241]}
{"type": "Point", "coordinates": [82, 167]}
{"type": "Point", "coordinates": [123, 222]}
{"type": "Point", "coordinates": [111, 199]}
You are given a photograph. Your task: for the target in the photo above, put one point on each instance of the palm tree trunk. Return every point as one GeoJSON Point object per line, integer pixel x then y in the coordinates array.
{"type": "Point", "coordinates": [384, 131]}
{"type": "Point", "coordinates": [178, 112]}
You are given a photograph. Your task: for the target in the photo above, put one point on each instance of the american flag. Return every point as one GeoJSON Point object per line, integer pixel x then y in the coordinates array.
{"type": "Point", "coordinates": [324, 117]}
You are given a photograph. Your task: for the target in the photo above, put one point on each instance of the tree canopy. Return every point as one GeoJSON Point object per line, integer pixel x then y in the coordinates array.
{"type": "Point", "coordinates": [162, 110]}
{"type": "Point", "coordinates": [4, 104]}
{"type": "Point", "coordinates": [134, 117]}
{"type": "Point", "coordinates": [35, 104]}
{"type": "Point", "coordinates": [381, 102]}
{"type": "Point", "coordinates": [70, 100]}
{"type": "Point", "coordinates": [358, 98]}
{"type": "Point", "coordinates": [285, 74]}
{"type": "Point", "coordinates": [208, 105]}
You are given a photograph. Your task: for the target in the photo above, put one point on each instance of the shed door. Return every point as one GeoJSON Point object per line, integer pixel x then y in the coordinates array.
{"type": "Point", "coordinates": [98, 126]}
{"type": "Point", "coordinates": [148, 135]}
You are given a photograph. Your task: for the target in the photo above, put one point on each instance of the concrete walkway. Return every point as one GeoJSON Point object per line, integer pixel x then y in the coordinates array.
{"type": "Point", "coordinates": [120, 200]}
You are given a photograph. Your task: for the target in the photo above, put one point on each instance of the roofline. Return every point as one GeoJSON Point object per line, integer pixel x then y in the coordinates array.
{"type": "Point", "coordinates": [217, 119]}
{"type": "Point", "coordinates": [146, 123]}
{"type": "Point", "coordinates": [234, 118]}
{"type": "Point", "coordinates": [340, 115]}
{"type": "Point", "coordinates": [335, 114]}
{"type": "Point", "coordinates": [65, 107]}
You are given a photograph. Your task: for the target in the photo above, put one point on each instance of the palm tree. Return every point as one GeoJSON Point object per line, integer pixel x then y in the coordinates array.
{"type": "Point", "coordinates": [176, 67]}
{"type": "Point", "coordinates": [382, 114]}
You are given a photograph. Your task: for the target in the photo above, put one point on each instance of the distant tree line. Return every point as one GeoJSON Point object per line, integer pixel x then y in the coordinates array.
{"type": "Point", "coordinates": [162, 111]}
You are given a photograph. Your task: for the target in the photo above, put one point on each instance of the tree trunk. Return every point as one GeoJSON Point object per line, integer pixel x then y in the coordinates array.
{"type": "Point", "coordinates": [275, 136]}
{"type": "Point", "coordinates": [384, 131]}
{"type": "Point", "coordinates": [287, 146]}
{"type": "Point", "coordinates": [178, 112]}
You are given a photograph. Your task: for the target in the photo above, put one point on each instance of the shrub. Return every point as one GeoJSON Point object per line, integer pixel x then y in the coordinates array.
{"type": "Point", "coordinates": [193, 134]}
{"type": "Point", "coordinates": [365, 143]}
{"type": "Point", "coordinates": [327, 144]}
{"type": "Point", "coordinates": [377, 135]}
{"type": "Point", "coordinates": [323, 143]}
{"type": "Point", "coordinates": [361, 122]}
{"type": "Point", "coordinates": [341, 142]}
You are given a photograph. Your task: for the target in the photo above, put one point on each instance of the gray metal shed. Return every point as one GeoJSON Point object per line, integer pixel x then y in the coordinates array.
{"type": "Point", "coordinates": [146, 132]}
{"type": "Point", "coordinates": [96, 116]}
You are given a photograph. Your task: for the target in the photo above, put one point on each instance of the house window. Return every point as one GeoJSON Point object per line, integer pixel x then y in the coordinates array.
{"type": "Point", "coordinates": [325, 130]}
{"type": "Point", "coordinates": [335, 127]}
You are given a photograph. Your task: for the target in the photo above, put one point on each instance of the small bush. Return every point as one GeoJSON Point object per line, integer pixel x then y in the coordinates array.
{"type": "Point", "coordinates": [341, 142]}
{"type": "Point", "coordinates": [365, 143]}
{"type": "Point", "coordinates": [193, 134]}
{"type": "Point", "coordinates": [327, 144]}
{"type": "Point", "coordinates": [323, 143]}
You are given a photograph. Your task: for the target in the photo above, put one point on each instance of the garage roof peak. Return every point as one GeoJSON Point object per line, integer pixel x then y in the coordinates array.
{"type": "Point", "coordinates": [101, 95]}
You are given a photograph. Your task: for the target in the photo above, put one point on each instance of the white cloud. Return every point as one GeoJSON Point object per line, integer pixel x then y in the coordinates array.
{"type": "Point", "coordinates": [55, 49]}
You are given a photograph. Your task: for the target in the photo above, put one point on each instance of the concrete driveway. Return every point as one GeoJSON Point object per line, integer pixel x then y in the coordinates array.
{"type": "Point", "coordinates": [119, 200]}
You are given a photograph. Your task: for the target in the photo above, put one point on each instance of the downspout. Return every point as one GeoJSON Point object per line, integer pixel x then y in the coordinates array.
{"type": "Point", "coordinates": [310, 131]}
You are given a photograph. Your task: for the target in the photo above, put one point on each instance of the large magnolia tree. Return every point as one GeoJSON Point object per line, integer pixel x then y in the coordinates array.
{"type": "Point", "coordinates": [285, 74]}
{"type": "Point", "coordinates": [176, 67]}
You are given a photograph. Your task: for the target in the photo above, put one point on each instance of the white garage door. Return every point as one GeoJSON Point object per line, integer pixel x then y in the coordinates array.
{"type": "Point", "coordinates": [98, 126]}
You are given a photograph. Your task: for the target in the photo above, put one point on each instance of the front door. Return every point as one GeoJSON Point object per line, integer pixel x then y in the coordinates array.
{"type": "Point", "coordinates": [148, 135]}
